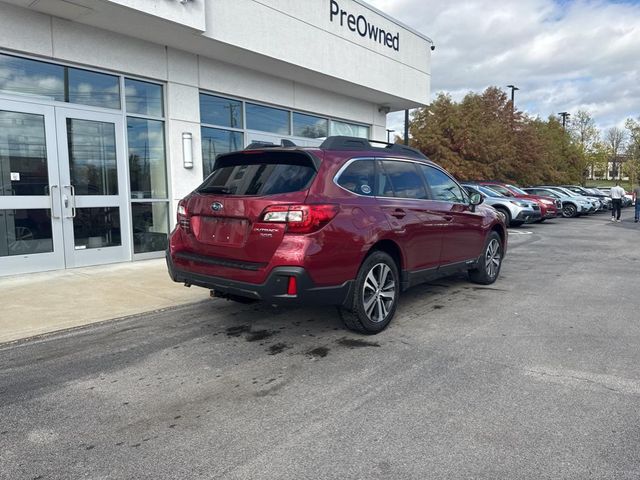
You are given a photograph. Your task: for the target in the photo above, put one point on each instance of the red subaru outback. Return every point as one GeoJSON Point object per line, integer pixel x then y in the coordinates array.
{"type": "Point", "coordinates": [345, 224]}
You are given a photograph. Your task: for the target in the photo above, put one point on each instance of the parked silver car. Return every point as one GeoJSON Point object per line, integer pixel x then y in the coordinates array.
{"type": "Point", "coordinates": [571, 205]}
{"type": "Point", "coordinates": [516, 210]}
{"type": "Point", "coordinates": [594, 203]}
{"type": "Point", "coordinates": [604, 199]}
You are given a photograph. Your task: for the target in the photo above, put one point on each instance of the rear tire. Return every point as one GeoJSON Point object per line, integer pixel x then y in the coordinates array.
{"type": "Point", "coordinates": [375, 294]}
{"type": "Point", "coordinates": [489, 262]}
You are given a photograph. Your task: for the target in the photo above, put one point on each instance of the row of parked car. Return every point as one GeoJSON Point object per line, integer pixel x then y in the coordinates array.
{"type": "Point", "coordinates": [538, 203]}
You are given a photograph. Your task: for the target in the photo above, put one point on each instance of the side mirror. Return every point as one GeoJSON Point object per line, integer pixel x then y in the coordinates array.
{"type": "Point", "coordinates": [475, 199]}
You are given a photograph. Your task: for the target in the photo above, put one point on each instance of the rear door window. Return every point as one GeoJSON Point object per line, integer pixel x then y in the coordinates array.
{"type": "Point", "coordinates": [359, 177]}
{"type": "Point", "coordinates": [259, 174]}
{"type": "Point", "coordinates": [402, 180]}
{"type": "Point", "coordinates": [442, 186]}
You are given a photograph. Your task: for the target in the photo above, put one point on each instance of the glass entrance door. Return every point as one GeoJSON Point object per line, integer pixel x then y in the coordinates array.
{"type": "Point", "coordinates": [63, 188]}
{"type": "Point", "coordinates": [31, 236]}
{"type": "Point", "coordinates": [95, 214]}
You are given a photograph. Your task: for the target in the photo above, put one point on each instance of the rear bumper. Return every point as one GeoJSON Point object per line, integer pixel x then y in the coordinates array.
{"type": "Point", "coordinates": [273, 290]}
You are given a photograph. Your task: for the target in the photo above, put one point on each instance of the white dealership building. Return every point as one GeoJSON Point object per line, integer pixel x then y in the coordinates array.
{"type": "Point", "coordinates": [112, 110]}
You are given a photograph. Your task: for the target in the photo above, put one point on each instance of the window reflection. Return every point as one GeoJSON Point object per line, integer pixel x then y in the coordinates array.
{"type": "Point", "coordinates": [30, 77]}
{"type": "Point", "coordinates": [216, 141]}
{"type": "Point", "coordinates": [25, 232]}
{"type": "Point", "coordinates": [92, 157]}
{"type": "Point", "coordinates": [96, 227]}
{"type": "Point", "coordinates": [92, 88]}
{"type": "Point", "coordinates": [349, 129]}
{"type": "Point", "coordinates": [267, 119]}
{"type": "Point", "coordinates": [150, 226]}
{"type": "Point", "coordinates": [220, 111]}
{"type": "Point", "coordinates": [309, 126]}
{"type": "Point", "coordinates": [147, 163]}
{"type": "Point", "coordinates": [143, 98]}
{"type": "Point", "coordinates": [23, 154]}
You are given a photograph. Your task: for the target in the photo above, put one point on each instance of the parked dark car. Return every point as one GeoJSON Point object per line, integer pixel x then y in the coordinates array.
{"type": "Point", "coordinates": [345, 224]}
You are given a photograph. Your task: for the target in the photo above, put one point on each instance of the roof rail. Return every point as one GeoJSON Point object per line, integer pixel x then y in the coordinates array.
{"type": "Point", "coordinates": [257, 145]}
{"type": "Point", "coordinates": [341, 142]}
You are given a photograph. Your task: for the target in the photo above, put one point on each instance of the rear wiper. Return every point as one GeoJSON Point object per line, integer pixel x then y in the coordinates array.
{"type": "Point", "coordinates": [214, 189]}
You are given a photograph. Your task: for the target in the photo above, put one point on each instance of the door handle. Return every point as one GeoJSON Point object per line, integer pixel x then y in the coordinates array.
{"type": "Point", "coordinates": [72, 190]}
{"type": "Point", "coordinates": [399, 213]}
{"type": "Point", "coordinates": [53, 202]}
{"type": "Point", "coordinates": [448, 218]}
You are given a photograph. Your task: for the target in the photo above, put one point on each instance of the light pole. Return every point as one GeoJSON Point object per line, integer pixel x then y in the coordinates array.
{"type": "Point", "coordinates": [513, 95]}
{"type": "Point", "coordinates": [389, 132]}
{"type": "Point", "coordinates": [564, 116]}
{"type": "Point", "coordinates": [406, 127]}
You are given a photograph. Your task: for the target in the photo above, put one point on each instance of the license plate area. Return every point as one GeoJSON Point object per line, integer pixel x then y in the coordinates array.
{"type": "Point", "coordinates": [223, 231]}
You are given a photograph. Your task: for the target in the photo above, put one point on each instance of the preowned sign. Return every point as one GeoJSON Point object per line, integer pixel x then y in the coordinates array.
{"type": "Point", "coordinates": [360, 25]}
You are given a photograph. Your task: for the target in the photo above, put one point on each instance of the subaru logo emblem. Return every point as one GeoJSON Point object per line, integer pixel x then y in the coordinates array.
{"type": "Point", "coordinates": [216, 207]}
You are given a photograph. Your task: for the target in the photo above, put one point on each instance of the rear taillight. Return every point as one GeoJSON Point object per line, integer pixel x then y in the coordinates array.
{"type": "Point", "coordinates": [300, 218]}
{"type": "Point", "coordinates": [183, 218]}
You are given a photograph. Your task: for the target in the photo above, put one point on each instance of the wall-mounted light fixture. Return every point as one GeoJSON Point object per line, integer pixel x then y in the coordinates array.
{"type": "Point", "coordinates": [187, 150]}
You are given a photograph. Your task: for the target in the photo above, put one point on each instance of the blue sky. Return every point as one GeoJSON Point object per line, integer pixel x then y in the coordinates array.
{"type": "Point", "coordinates": [564, 55]}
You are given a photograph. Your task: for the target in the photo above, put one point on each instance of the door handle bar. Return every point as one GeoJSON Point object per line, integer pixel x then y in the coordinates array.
{"type": "Point", "coordinates": [53, 202]}
{"type": "Point", "coordinates": [72, 190]}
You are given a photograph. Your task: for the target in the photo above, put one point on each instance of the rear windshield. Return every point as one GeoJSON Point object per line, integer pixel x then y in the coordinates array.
{"type": "Point", "coordinates": [260, 173]}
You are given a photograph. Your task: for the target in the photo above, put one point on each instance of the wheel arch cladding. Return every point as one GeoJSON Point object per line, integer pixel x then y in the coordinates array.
{"type": "Point", "coordinates": [389, 247]}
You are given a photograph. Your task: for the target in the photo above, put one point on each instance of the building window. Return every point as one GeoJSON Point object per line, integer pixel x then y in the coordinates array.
{"type": "Point", "coordinates": [91, 88]}
{"type": "Point", "coordinates": [150, 225]}
{"type": "Point", "coordinates": [216, 141]}
{"type": "Point", "coordinates": [348, 129]}
{"type": "Point", "coordinates": [147, 163]}
{"type": "Point", "coordinates": [268, 119]}
{"type": "Point", "coordinates": [143, 98]}
{"type": "Point", "coordinates": [223, 112]}
{"type": "Point", "coordinates": [147, 166]}
{"type": "Point", "coordinates": [228, 124]}
{"type": "Point", "coordinates": [309, 126]}
{"type": "Point", "coordinates": [22, 76]}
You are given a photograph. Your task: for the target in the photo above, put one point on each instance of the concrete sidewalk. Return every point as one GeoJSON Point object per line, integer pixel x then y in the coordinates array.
{"type": "Point", "coordinates": [33, 304]}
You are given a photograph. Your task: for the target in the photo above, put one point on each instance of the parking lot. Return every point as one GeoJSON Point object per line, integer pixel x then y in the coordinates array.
{"type": "Point", "coordinates": [535, 376]}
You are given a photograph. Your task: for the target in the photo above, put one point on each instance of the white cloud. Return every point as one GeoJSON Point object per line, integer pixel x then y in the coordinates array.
{"type": "Point", "coordinates": [564, 55]}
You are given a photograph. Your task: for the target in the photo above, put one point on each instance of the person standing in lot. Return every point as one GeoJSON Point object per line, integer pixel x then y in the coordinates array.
{"type": "Point", "coordinates": [617, 193]}
{"type": "Point", "coordinates": [636, 199]}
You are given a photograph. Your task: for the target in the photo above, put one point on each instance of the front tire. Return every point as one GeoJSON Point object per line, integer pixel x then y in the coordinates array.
{"type": "Point", "coordinates": [375, 295]}
{"type": "Point", "coordinates": [569, 210]}
{"type": "Point", "coordinates": [489, 262]}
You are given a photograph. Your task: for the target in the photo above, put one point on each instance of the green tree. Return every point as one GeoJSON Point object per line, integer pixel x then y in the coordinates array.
{"type": "Point", "coordinates": [585, 135]}
{"type": "Point", "coordinates": [633, 149]}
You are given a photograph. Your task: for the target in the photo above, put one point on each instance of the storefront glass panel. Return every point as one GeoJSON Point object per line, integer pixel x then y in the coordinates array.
{"type": "Point", "coordinates": [147, 162]}
{"type": "Point", "coordinates": [216, 141]}
{"type": "Point", "coordinates": [25, 232]}
{"type": "Point", "coordinates": [92, 88]}
{"type": "Point", "coordinates": [267, 119]}
{"type": "Point", "coordinates": [224, 112]}
{"type": "Point", "coordinates": [150, 226]}
{"type": "Point", "coordinates": [22, 76]}
{"type": "Point", "coordinates": [23, 155]}
{"type": "Point", "coordinates": [309, 126]}
{"type": "Point", "coordinates": [143, 98]}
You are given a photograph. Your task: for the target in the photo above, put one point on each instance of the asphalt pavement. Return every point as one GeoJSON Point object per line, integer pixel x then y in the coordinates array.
{"type": "Point", "coordinates": [533, 377]}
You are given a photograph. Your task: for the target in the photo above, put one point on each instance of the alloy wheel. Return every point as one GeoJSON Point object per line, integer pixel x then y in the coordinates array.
{"type": "Point", "coordinates": [379, 292]}
{"type": "Point", "coordinates": [493, 257]}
